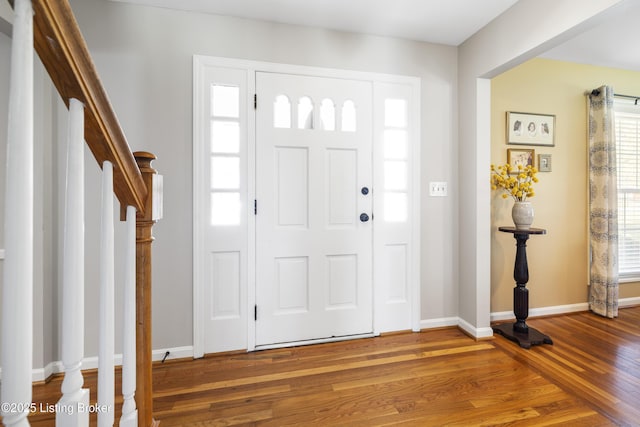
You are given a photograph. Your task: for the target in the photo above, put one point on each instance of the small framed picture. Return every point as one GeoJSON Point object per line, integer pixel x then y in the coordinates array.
{"type": "Point", "coordinates": [521, 156]}
{"type": "Point", "coordinates": [544, 162]}
{"type": "Point", "coordinates": [531, 129]}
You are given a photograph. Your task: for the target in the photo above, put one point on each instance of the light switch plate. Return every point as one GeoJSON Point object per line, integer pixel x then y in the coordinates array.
{"type": "Point", "coordinates": [438, 189]}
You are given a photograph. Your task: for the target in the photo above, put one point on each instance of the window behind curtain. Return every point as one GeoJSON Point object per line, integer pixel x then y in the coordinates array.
{"type": "Point", "coordinates": [627, 124]}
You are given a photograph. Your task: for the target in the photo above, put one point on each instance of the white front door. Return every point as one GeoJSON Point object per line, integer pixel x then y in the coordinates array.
{"type": "Point", "coordinates": [313, 208]}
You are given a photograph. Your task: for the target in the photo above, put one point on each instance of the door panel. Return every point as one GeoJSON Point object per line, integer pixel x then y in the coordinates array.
{"type": "Point", "coordinates": [292, 169]}
{"type": "Point", "coordinates": [313, 253]}
{"type": "Point", "coordinates": [342, 181]}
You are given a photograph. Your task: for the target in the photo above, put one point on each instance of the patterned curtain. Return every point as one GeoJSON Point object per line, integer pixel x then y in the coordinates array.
{"type": "Point", "coordinates": [603, 205]}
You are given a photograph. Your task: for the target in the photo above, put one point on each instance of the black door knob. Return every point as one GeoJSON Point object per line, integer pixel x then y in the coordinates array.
{"type": "Point", "coordinates": [364, 191]}
{"type": "Point", "coordinates": [364, 217]}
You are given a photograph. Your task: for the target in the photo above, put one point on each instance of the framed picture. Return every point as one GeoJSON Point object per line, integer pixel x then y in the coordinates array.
{"type": "Point", "coordinates": [531, 129]}
{"type": "Point", "coordinates": [521, 156]}
{"type": "Point", "coordinates": [544, 162]}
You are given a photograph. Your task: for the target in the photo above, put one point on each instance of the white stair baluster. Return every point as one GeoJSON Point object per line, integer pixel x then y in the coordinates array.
{"type": "Point", "coordinates": [17, 291]}
{"type": "Point", "coordinates": [72, 406]}
{"type": "Point", "coordinates": [106, 335]}
{"type": "Point", "coordinates": [129, 412]}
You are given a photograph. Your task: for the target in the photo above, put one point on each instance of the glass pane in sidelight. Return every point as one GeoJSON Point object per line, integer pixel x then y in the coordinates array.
{"type": "Point", "coordinates": [225, 101]}
{"type": "Point", "coordinates": [395, 144]}
{"type": "Point", "coordinates": [225, 137]}
{"type": "Point", "coordinates": [395, 175]}
{"type": "Point", "coordinates": [395, 113]}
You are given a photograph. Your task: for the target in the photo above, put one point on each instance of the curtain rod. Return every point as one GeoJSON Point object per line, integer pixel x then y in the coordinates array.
{"type": "Point", "coordinates": [627, 97]}
{"type": "Point", "coordinates": [596, 92]}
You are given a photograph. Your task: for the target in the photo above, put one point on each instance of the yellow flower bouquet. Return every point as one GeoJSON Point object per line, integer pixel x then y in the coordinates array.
{"type": "Point", "coordinates": [515, 182]}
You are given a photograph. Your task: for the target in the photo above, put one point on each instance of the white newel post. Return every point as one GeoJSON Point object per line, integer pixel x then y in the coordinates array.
{"type": "Point", "coordinates": [129, 412]}
{"type": "Point", "coordinates": [72, 407]}
{"type": "Point", "coordinates": [106, 334]}
{"type": "Point", "coordinates": [17, 290]}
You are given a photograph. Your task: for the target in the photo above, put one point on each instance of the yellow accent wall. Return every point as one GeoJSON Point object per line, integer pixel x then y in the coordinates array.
{"type": "Point", "coordinates": [558, 261]}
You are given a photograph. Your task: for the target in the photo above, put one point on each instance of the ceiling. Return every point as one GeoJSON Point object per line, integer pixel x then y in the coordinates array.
{"type": "Point", "coordinates": [610, 42]}
{"type": "Point", "coordinates": [447, 22]}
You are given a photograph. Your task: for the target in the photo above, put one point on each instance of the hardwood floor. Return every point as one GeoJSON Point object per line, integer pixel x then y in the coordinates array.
{"type": "Point", "coordinates": [589, 377]}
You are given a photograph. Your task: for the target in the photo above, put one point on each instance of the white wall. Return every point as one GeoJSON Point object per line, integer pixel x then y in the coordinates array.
{"type": "Point", "coordinates": [144, 58]}
{"type": "Point", "coordinates": [6, 18]}
{"type": "Point", "coordinates": [521, 33]}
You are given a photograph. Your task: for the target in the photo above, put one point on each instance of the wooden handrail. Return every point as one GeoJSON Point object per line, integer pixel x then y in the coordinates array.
{"type": "Point", "coordinates": [63, 51]}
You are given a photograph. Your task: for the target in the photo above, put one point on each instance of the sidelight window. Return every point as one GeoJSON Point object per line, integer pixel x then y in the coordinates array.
{"type": "Point", "coordinates": [395, 160]}
{"type": "Point", "coordinates": [225, 155]}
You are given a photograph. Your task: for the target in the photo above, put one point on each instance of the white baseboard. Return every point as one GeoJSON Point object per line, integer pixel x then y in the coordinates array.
{"type": "Point", "coordinates": [628, 302]}
{"type": "Point", "coordinates": [174, 353]}
{"type": "Point", "coordinates": [477, 333]}
{"type": "Point", "coordinates": [156, 356]}
{"type": "Point", "coordinates": [41, 374]}
{"type": "Point", "coordinates": [542, 311]}
{"type": "Point", "coordinates": [560, 309]}
{"type": "Point", "coordinates": [439, 323]}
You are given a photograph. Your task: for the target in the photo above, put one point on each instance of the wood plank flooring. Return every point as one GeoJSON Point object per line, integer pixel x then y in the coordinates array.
{"type": "Point", "coordinates": [589, 377]}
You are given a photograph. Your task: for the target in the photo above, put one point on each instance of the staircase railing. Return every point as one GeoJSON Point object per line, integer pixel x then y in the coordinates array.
{"type": "Point", "coordinates": [50, 27]}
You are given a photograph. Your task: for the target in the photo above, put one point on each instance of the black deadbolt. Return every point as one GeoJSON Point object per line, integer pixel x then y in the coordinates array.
{"type": "Point", "coordinates": [364, 191]}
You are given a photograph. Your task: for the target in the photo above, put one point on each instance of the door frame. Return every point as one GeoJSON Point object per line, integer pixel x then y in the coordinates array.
{"type": "Point", "coordinates": [382, 83]}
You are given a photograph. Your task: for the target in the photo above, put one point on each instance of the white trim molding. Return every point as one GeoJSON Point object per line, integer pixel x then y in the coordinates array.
{"type": "Point", "coordinates": [542, 311]}
{"type": "Point", "coordinates": [443, 322]}
{"type": "Point", "coordinates": [174, 353]}
{"type": "Point", "coordinates": [477, 333]}
{"type": "Point", "coordinates": [480, 333]}
{"type": "Point", "coordinates": [41, 374]}
{"type": "Point", "coordinates": [628, 302]}
{"type": "Point", "coordinates": [560, 309]}
{"type": "Point", "coordinates": [466, 327]}
{"type": "Point", "coordinates": [156, 356]}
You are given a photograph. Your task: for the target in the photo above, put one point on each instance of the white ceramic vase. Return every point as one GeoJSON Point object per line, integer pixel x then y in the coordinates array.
{"type": "Point", "coordinates": [522, 214]}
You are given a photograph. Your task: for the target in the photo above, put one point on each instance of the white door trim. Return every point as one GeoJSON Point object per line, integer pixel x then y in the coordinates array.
{"type": "Point", "coordinates": [201, 63]}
